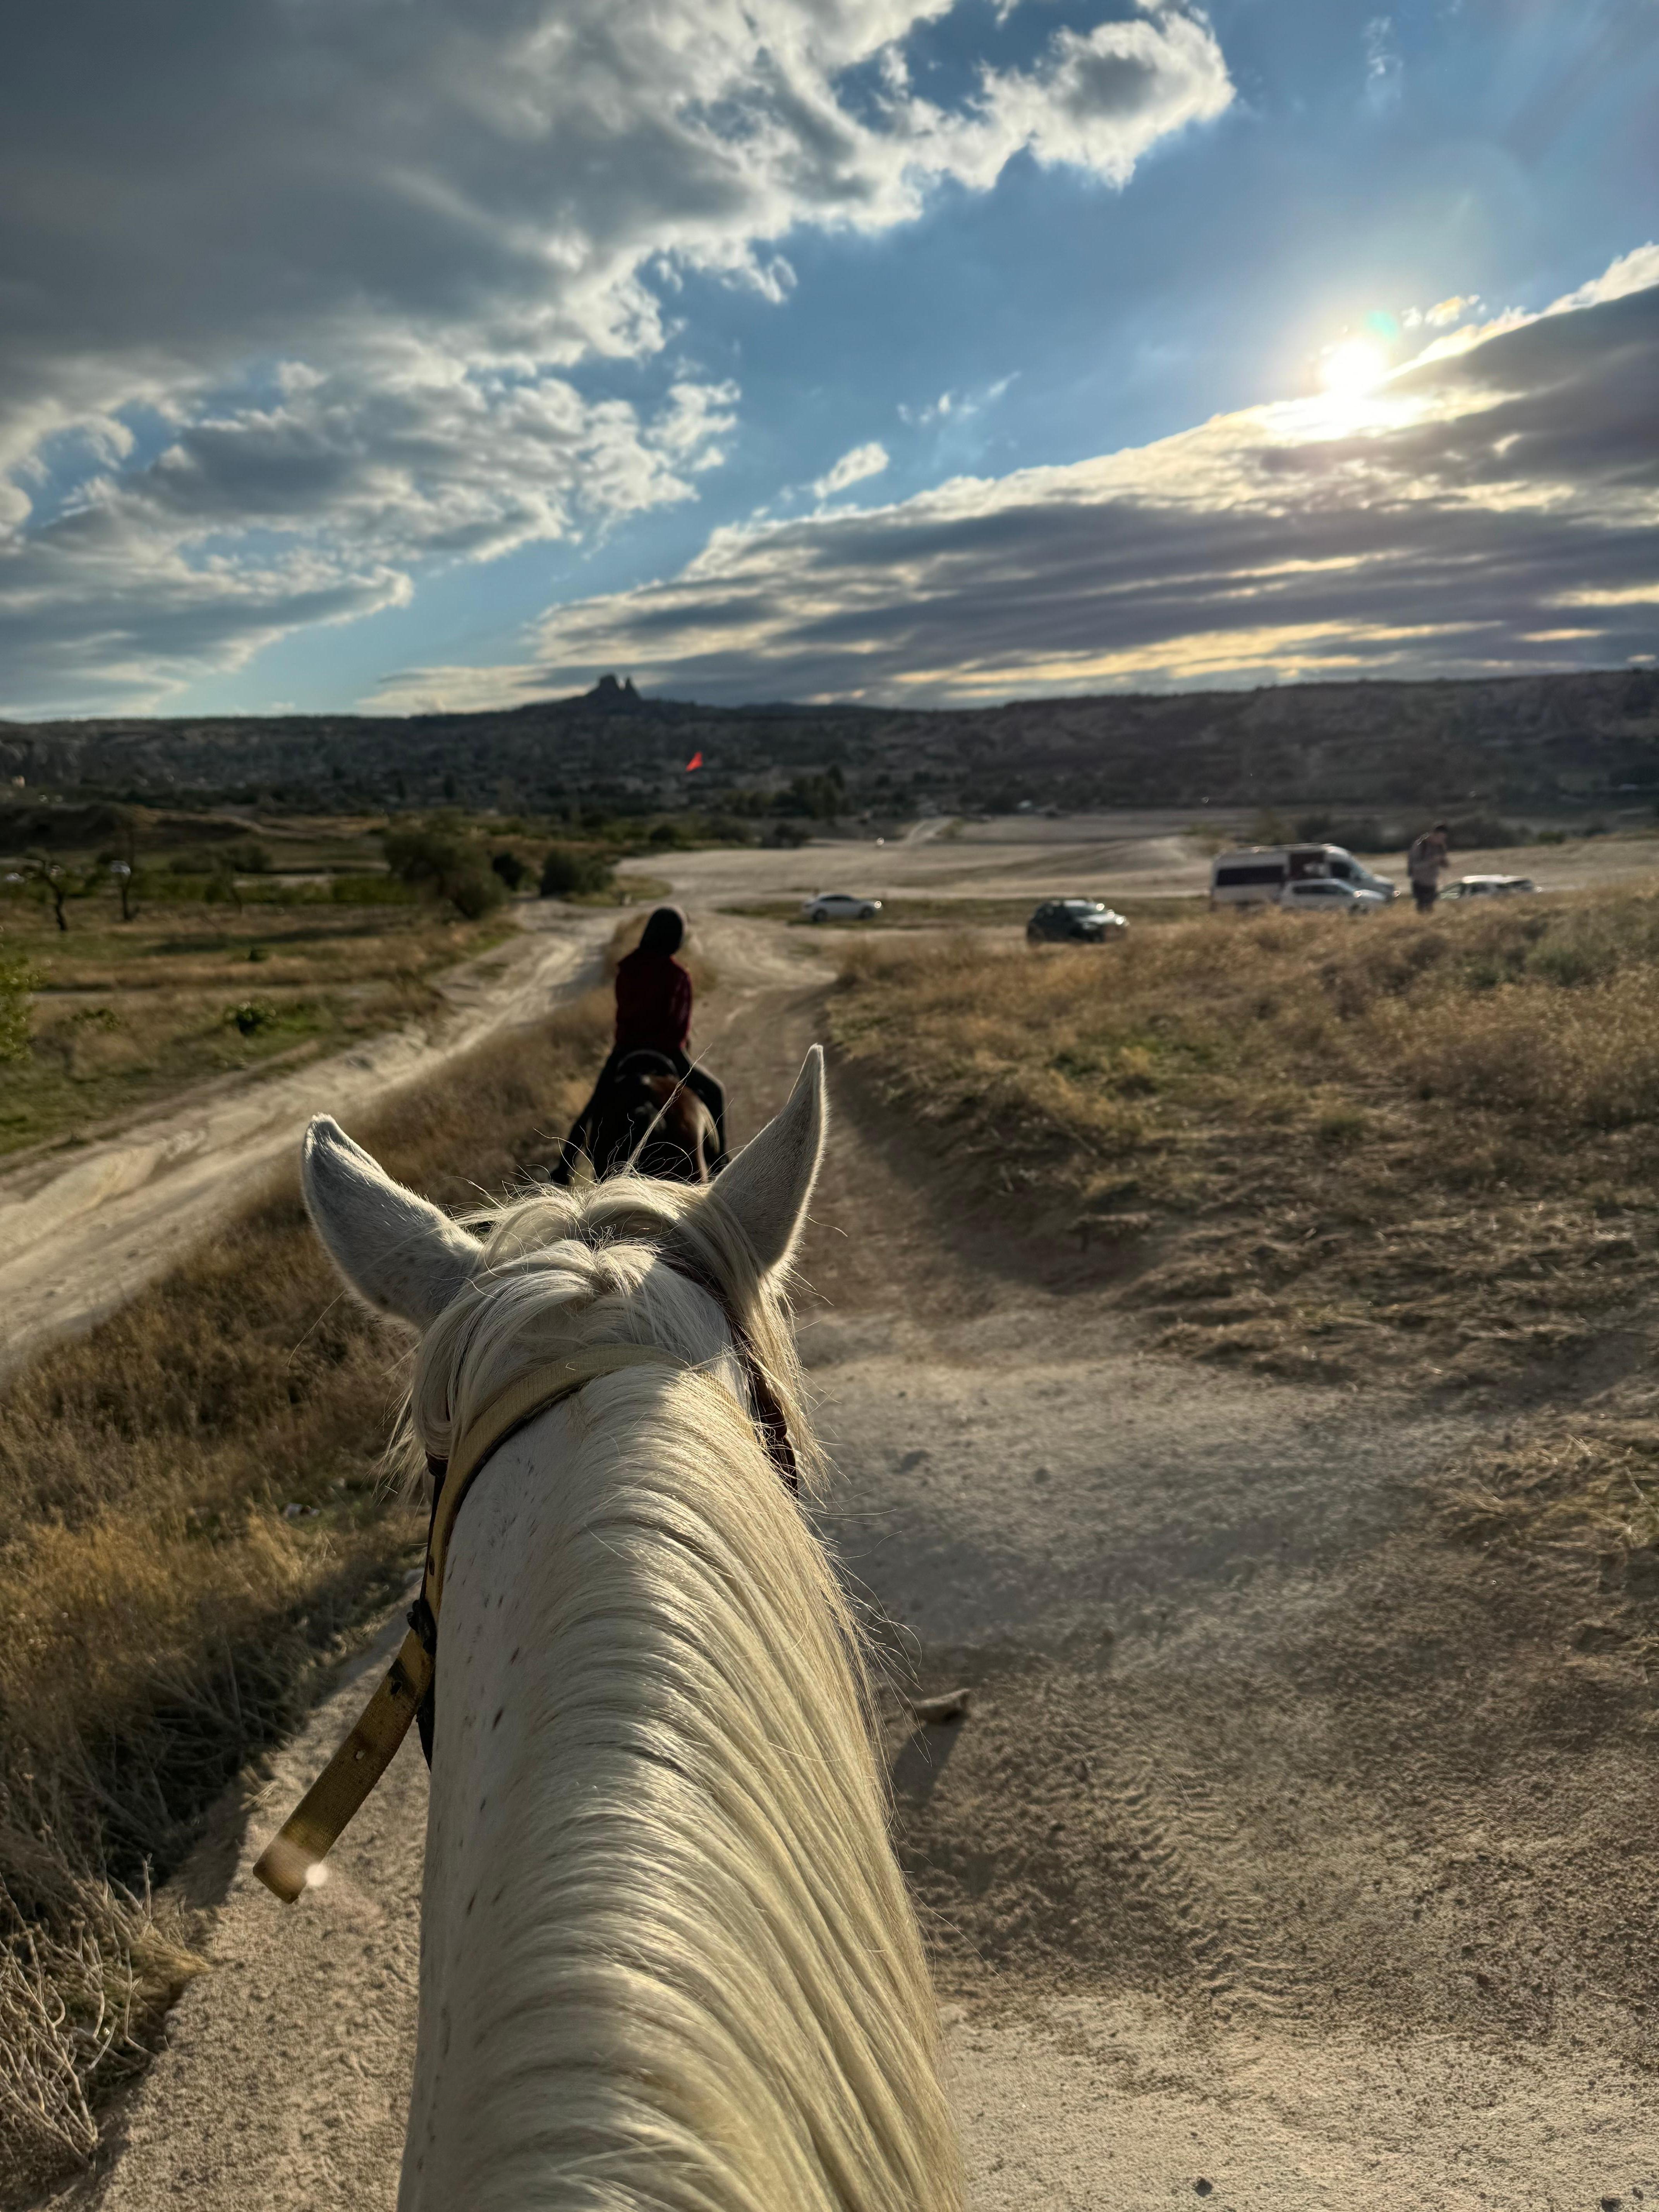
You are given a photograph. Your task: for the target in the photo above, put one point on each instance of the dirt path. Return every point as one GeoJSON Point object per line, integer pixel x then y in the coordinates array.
{"type": "Point", "coordinates": [1288, 1858]}
{"type": "Point", "coordinates": [1131, 853]}
{"type": "Point", "coordinates": [77, 1240]}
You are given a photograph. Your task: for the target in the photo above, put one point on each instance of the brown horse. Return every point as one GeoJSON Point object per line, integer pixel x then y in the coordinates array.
{"type": "Point", "coordinates": [646, 1116]}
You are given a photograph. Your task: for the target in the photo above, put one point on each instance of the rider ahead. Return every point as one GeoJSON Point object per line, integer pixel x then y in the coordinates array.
{"type": "Point", "coordinates": [654, 1017]}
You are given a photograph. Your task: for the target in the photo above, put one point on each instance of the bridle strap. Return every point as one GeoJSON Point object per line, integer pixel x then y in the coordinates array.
{"type": "Point", "coordinates": [768, 1414]}
{"type": "Point", "coordinates": [286, 1864]}
{"type": "Point", "coordinates": [519, 1402]}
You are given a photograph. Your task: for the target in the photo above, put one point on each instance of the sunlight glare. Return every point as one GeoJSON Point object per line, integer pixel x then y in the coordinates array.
{"type": "Point", "coordinates": [1353, 368]}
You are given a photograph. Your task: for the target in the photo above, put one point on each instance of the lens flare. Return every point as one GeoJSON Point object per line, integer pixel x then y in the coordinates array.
{"type": "Point", "coordinates": [1353, 367]}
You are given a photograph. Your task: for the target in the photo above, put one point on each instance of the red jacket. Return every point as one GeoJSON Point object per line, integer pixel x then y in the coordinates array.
{"type": "Point", "coordinates": [653, 1003]}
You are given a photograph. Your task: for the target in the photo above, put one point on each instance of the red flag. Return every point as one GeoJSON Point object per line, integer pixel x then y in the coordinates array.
{"type": "Point", "coordinates": [696, 761]}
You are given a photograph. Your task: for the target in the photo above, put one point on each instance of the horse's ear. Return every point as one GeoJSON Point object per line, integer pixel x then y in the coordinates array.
{"type": "Point", "coordinates": [396, 1250]}
{"type": "Point", "coordinates": [766, 1187]}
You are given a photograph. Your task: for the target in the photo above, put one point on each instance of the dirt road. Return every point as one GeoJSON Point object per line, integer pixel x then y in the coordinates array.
{"type": "Point", "coordinates": [1132, 853]}
{"type": "Point", "coordinates": [76, 1240]}
{"type": "Point", "coordinates": [1276, 1864]}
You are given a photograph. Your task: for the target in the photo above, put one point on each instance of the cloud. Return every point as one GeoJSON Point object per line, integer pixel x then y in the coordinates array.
{"type": "Point", "coordinates": [1385, 69]}
{"type": "Point", "coordinates": [321, 502]}
{"type": "Point", "coordinates": [427, 214]}
{"type": "Point", "coordinates": [864, 461]}
{"type": "Point", "coordinates": [1492, 509]}
{"type": "Point", "coordinates": [1098, 99]}
{"type": "Point", "coordinates": [954, 406]}
{"type": "Point", "coordinates": [1636, 271]}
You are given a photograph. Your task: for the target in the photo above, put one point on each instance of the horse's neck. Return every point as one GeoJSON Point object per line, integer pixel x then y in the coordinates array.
{"type": "Point", "coordinates": [667, 1960]}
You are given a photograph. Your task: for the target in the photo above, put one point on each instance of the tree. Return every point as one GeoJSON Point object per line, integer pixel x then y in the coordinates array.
{"type": "Point", "coordinates": [56, 882]}
{"type": "Point", "coordinates": [121, 864]}
{"type": "Point", "coordinates": [443, 865]}
{"type": "Point", "coordinates": [823, 797]}
{"type": "Point", "coordinates": [569, 872]}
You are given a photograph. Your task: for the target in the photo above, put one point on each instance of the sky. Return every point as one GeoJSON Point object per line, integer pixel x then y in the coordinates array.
{"type": "Point", "coordinates": [398, 355]}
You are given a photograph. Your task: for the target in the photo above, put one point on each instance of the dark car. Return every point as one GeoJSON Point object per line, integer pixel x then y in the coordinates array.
{"type": "Point", "coordinates": [1073, 921]}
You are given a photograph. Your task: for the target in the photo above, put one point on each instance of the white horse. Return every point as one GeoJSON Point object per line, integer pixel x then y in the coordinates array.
{"type": "Point", "coordinates": [667, 1957]}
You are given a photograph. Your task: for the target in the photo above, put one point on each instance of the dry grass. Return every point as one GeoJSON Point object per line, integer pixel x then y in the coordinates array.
{"type": "Point", "coordinates": [1585, 1493]}
{"type": "Point", "coordinates": [127, 1013]}
{"type": "Point", "coordinates": [1593, 1487]}
{"type": "Point", "coordinates": [1426, 1144]}
{"type": "Point", "coordinates": [191, 1520]}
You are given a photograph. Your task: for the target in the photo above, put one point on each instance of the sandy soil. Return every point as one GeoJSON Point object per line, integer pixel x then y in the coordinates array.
{"type": "Point", "coordinates": [1126, 855]}
{"type": "Point", "coordinates": [1287, 1858]}
{"type": "Point", "coordinates": [78, 1239]}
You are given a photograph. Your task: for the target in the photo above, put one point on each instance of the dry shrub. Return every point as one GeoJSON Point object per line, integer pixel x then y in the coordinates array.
{"type": "Point", "coordinates": [191, 1520]}
{"type": "Point", "coordinates": [1558, 1058]}
{"type": "Point", "coordinates": [1432, 1139]}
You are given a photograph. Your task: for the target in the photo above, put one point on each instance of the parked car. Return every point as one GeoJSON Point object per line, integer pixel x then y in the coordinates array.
{"type": "Point", "coordinates": [840, 905]}
{"type": "Point", "coordinates": [1256, 875]}
{"type": "Point", "coordinates": [1073, 921]}
{"type": "Point", "coordinates": [1488, 886]}
{"type": "Point", "coordinates": [1324, 895]}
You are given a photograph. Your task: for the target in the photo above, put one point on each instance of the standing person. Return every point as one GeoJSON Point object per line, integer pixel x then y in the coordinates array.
{"type": "Point", "coordinates": [653, 1015]}
{"type": "Point", "coordinates": [1426, 862]}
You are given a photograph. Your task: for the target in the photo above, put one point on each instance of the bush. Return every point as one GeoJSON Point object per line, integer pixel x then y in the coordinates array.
{"type": "Point", "coordinates": [510, 868]}
{"type": "Point", "coordinates": [568, 871]}
{"type": "Point", "coordinates": [476, 893]}
{"type": "Point", "coordinates": [444, 865]}
{"type": "Point", "coordinates": [16, 981]}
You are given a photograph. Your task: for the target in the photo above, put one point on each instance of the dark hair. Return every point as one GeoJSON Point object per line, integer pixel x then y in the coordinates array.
{"type": "Point", "coordinates": [1443, 830]}
{"type": "Point", "coordinates": [664, 931]}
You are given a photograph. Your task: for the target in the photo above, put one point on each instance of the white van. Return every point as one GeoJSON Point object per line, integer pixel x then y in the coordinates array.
{"type": "Point", "coordinates": [1257, 875]}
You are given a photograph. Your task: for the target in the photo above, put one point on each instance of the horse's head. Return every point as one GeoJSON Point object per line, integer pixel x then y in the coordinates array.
{"type": "Point", "coordinates": [630, 1259]}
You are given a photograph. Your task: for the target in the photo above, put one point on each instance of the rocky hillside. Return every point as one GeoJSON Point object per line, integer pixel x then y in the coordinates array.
{"type": "Point", "coordinates": [1541, 742]}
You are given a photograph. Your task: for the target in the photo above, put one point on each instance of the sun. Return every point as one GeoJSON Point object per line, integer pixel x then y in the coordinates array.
{"type": "Point", "coordinates": [1354, 367]}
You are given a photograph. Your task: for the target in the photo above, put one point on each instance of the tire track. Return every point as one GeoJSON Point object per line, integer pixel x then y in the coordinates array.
{"type": "Point", "coordinates": [1173, 1838]}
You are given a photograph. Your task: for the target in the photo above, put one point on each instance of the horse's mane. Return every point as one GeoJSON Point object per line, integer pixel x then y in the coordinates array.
{"type": "Point", "coordinates": [715, 1993]}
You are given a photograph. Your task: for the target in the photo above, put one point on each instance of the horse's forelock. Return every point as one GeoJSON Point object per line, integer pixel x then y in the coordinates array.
{"type": "Point", "coordinates": [565, 1268]}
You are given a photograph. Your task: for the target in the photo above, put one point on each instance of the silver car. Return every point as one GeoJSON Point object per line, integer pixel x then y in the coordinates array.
{"type": "Point", "coordinates": [840, 905]}
{"type": "Point", "coordinates": [1324, 895]}
{"type": "Point", "coordinates": [1488, 886]}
